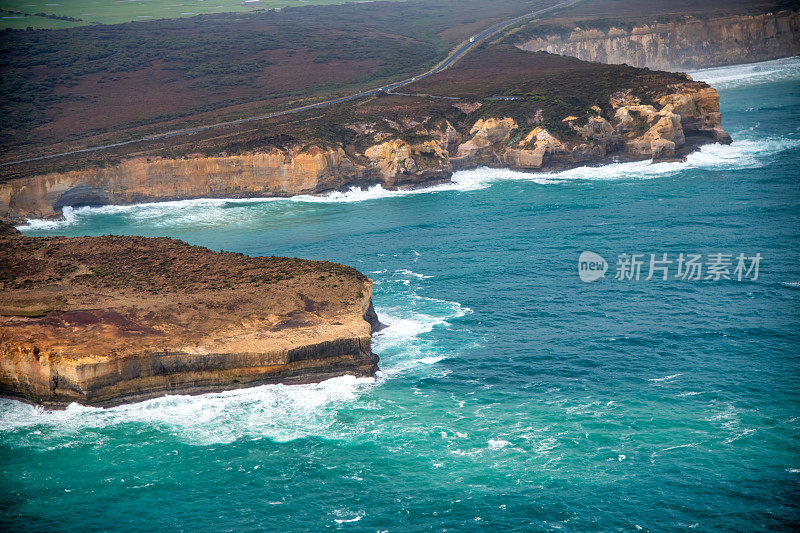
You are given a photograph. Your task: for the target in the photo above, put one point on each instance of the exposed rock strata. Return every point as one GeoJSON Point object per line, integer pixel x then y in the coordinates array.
{"type": "Point", "coordinates": [419, 150]}
{"type": "Point", "coordinates": [106, 320]}
{"type": "Point", "coordinates": [683, 43]}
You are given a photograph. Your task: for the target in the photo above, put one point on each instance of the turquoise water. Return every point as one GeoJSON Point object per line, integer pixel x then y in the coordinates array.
{"type": "Point", "coordinates": [512, 395]}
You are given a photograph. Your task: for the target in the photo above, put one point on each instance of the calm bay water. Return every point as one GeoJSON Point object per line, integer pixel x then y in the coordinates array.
{"type": "Point", "coordinates": [512, 395]}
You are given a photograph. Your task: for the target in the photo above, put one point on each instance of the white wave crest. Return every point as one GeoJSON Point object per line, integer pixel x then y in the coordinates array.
{"type": "Point", "coordinates": [212, 212]}
{"type": "Point", "coordinates": [402, 345]}
{"type": "Point", "coordinates": [69, 217]}
{"type": "Point", "coordinates": [196, 212]}
{"type": "Point", "coordinates": [277, 412]}
{"type": "Point", "coordinates": [497, 444]}
{"type": "Point", "coordinates": [665, 378]}
{"type": "Point", "coordinates": [735, 76]}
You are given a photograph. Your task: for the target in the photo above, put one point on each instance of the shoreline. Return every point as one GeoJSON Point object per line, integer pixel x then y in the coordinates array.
{"type": "Point", "coordinates": [430, 186]}
{"type": "Point", "coordinates": [403, 145]}
{"type": "Point", "coordinates": [109, 320]}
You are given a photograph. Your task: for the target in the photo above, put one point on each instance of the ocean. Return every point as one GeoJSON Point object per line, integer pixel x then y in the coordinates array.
{"type": "Point", "coordinates": [512, 395]}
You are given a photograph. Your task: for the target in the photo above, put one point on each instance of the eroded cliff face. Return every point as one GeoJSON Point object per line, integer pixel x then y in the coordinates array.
{"type": "Point", "coordinates": [418, 151]}
{"type": "Point", "coordinates": [107, 320]}
{"type": "Point", "coordinates": [683, 43]}
{"type": "Point", "coordinates": [271, 173]}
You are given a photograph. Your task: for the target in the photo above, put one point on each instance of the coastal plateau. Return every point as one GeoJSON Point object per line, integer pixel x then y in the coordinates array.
{"type": "Point", "coordinates": [500, 107]}
{"type": "Point", "coordinates": [106, 320]}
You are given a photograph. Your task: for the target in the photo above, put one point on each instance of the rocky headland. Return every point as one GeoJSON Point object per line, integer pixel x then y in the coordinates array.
{"type": "Point", "coordinates": [501, 108]}
{"type": "Point", "coordinates": [106, 320]}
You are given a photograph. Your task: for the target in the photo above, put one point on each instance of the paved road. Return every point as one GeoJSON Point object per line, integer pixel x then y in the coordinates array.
{"type": "Point", "coordinates": [449, 60]}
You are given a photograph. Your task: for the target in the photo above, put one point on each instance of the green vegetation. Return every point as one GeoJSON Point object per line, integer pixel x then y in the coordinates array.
{"type": "Point", "coordinates": [546, 88]}
{"type": "Point", "coordinates": [144, 73]}
{"type": "Point", "coordinates": [155, 265]}
{"type": "Point", "coordinates": [21, 14]}
{"type": "Point", "coordinates": [558, 86]}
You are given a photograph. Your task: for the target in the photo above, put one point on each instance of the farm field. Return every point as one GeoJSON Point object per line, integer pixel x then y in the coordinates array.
{"type": "Point", "coordinates": [20, 14]}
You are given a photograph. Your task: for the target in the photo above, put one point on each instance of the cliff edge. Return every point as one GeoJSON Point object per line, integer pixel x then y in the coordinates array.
{"type": "Point", "coordinates": [677, 42]}
{"type": "Point", "coordinates": [498, 107]}
{"type": "Point", "coordinates": [107, 320]}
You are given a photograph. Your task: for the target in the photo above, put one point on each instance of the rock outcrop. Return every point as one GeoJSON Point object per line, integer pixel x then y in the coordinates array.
{"type": "Point", "coordinates": [396, 163]}
{"type": "Point", "coordinates": [107, 320]}
{"type": "Point", "coordinates": [486, 134]}
{"type": "Point", "coordinates": [683, 43]}
{"type": "Point", "coordinates": [273, 172]}
{"type": "Point", "coordinates": [531, 151]}
{"type": "Point", "coordinates": [416, 151]}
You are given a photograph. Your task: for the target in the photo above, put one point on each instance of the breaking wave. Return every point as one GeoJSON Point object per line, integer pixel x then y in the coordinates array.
{"type": "Point", "coordinates": [742, 154]}
{"type": "Point", "coordinates": [736, 76]}
{"type": "Point", "coordinates": [277, 412]}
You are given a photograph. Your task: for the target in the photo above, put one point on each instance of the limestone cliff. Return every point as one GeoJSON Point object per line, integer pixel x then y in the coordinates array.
{"type": "Point", "coordinates": [682, 43]}
{"type": "Point", "coordinates": [270, 173]}
{"type": "Point", "coordinates": [409, 152]}
{"type": "Point", "coordinates": [106, 320]}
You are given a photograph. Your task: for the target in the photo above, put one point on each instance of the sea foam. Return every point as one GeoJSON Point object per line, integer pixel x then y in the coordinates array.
{"type": "Point", "coordinates": [213, 212]}
{"type": "Point", "coordinates": [277, 412]}
{"type": "Point", "coordinates": [736, 76]}
{"type": "Point", "coordinates": [744, 153]}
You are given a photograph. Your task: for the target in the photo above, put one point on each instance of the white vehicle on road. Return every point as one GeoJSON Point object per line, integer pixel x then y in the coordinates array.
{"type": "Point", "coordinates": [472, 39]}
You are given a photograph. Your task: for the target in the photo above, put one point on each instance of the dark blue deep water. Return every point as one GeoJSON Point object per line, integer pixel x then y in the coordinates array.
{"type": "Point", "coordinates": [512, 395]}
